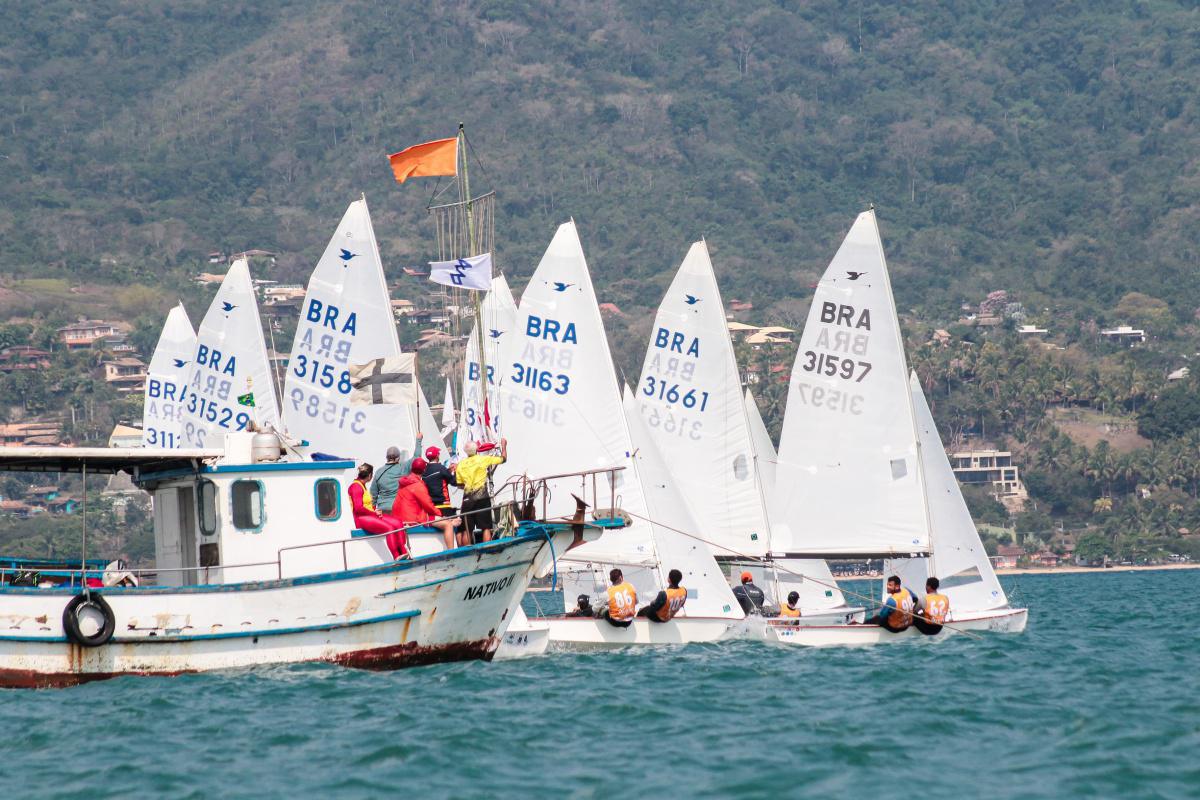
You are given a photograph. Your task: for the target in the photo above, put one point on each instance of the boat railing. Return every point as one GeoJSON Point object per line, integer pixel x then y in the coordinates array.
{"type": "Point", "coordinates": [531, 495]}
{"type": "Point", "coordinates": [69, 578]}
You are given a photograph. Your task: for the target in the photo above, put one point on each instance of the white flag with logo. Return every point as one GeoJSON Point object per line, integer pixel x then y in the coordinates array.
{"type": "Point", "coordinates": [474, 272]}
{"type": "Point", "coordinates": [384, 381]}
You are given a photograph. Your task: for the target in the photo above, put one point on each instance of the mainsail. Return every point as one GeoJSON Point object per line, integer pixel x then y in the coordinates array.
{"type": "Point", "coordinates": [162, 411]}
{"type": "Point", "coordinates": [499, 313]}
{"type": "Point", "coordinates": [562, 408]}
{"type": "Point", "coordinates": [346, 320]}
{"type": "Point", "coordinates": [764, 449]}
{"type": "Point", "coordinates": [848, 480]}
{"type": "Point", "coordinates": [229, 385]}
{"type": "Point", "coordinates": [957, 558]}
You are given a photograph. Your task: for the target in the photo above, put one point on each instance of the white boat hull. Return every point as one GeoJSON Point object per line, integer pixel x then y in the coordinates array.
{"type": "Point", "coordinates": [448, 607]}
{"type": "Point", "coordinates": [590, 633]}
{"type": "Point", "coordinates": [524, 638]}
{"type": "Point", "coordinates": [1001, 620]}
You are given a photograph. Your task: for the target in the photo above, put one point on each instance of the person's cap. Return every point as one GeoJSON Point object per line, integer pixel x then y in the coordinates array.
{"type": "Point", "coordinates": [483, 447]}
{"type": "Point", "coordinates": [419, 465]}
{"type": "Point", "coordinates": [393, 452]}
{"type": "Point", "coordinates": [432, 453]}
{"type": "Point", "coordinates": [747, 577]}
{"type": "Point", "coordinates": [583, 598]}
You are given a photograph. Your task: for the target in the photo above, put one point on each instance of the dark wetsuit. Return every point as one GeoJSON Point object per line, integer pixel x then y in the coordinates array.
{"type": "Point", "coordinates": [750, 598]}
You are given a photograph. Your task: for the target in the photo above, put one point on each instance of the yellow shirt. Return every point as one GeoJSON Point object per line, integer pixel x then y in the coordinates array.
{"type": "Point", "coordinates": [472, 472]}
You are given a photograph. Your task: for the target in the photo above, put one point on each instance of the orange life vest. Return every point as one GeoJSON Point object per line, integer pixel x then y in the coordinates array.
{"type": "Point", "coordinates": [937, 608]}
{"type": "Point", "coordinates": [787, 611]}
{"type": "Point", "coordinates": [901, 618]}
{"type": "Point", "coordinates": [675, 599]}
{"type": "Point", "coordinates": [622, 602]}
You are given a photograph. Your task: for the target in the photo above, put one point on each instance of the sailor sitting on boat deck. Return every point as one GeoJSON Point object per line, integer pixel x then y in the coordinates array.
{"type": "Point", "coordinates": [387, 481]}
{"type": "Point", "coordinates": [669, 602]}
{"type": "Point", "coordinates": [370, 518]}
{"type": "Point", "coordinates": [749, 596]}
{"type": "Point", "coordinates": [472, 475]}
{"type": "Point", "coordinates": [896, 614]}
{"type": "Point", "coordinates": [438, 480]}
{"type": "Point", "coordinates": [583, 607]}
{"type": "Point", "coordinates": [415, 507]}
{"type": "Point", "coordinates": [622, 601]}
{"type": "Point", "coordinates": [790, 609]}
{"type": "Point", "coordinates": [935, 609]}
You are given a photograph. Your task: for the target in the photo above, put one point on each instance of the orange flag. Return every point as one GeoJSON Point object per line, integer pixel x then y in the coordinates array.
{"type": "Point", "coordinates": [422, 160]}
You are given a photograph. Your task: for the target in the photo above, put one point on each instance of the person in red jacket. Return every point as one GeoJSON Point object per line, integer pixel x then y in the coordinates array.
{"type": "Point", "coordinates": [415, 507]}
{"type": "Point", "coordinates": [370, 518]}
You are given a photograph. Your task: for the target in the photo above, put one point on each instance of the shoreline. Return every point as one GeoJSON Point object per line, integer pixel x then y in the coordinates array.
{"type": "Point", "coordinates": [1096, 570]}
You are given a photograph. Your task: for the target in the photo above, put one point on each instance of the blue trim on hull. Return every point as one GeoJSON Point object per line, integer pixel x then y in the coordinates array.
{"type": "Point", "coordinates": [285, 466]}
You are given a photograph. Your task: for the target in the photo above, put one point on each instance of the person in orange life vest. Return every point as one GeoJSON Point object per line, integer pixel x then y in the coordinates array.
{"type": "Point", "coordinates": [935, 609]}
{"type": "Point", "coordinates": [622, 601]}
{"type": "Point", "coordinates": [414, 506]}
{"type": "Point", "coordinates": [896, 614]}
{"type": "Point", "coordinates": [789, 609]}
{"type": "Point", "coordinates": [371, 519]}
{"type": "Point", "coordinates": [669, 602]}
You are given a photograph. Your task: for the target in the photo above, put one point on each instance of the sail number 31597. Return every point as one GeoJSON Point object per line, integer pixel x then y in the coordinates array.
{"type": "Point", "coordinates": [831, 365]}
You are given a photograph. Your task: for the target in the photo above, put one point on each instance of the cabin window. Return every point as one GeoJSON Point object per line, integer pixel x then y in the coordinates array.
{"type": "Point", "coordinates": [247, 505]}
{"type": "Point", "coordinates": [208, 508]}
{"type": "Point", "coordinates": [328, 498]}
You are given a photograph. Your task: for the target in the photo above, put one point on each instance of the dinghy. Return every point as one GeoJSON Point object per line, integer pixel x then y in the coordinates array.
{"type": "Point", "coordinates": [859, 450]}
{"type": "Point", "coordinates": [166, 381]}
{"type": "Point", "coordinates": [229, 383]}
{"type": "Point", "coordinates": [696, 414]}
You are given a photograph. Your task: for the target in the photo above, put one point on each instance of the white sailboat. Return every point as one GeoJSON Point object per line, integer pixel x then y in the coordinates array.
{"type": "Point", "coordinates": [346, 320]}
{"type": "Point", "coordinates": [563, 402]}
{"type": "Point", "coordinates": [498, 311]}
{"type": "Point", "coordinates": [691, 400]}
{"type": "Point", "coordinates": [854, 468]}
{"type": "Point", "coordinates": [229, 383]}
{"type": "Point", "coordinates": [166, 381]}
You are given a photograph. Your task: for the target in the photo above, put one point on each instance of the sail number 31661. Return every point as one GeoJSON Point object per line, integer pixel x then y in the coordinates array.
{"type": "Point", "coordinates": [831, 365]}
{"type": "Point", "coordinates": [670, 393]}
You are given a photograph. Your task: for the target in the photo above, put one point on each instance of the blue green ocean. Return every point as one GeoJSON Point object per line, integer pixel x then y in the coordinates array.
{"type": "Point", "coordinates": [1100, 697]}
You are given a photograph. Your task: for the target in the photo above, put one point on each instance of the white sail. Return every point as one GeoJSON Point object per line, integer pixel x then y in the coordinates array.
{"type": "Point", "coordinates": [230, 384]}
{"type": "Point", "coordinates": [562, 408]}
{"type": "Point", "coordinates": [958, 558]}
{"type": "Point", "coordinates": [764, 448]}
{"type": "Point", "coordinates": [676, 532]}
{"type": "Point", "coordinates": [449, 415]}
{"type": "Point", "coordinates": [162, 411]}
{"type": "Point", "coordinates": [848, 479]}
{"type": "Point", "coordinates": [427, 425]}
{"type": "Point", "coordinates": [690, 396]}
{"type": "Point", "coordinates": [499, 313]}
{"type": "Point", "coordinates": [346, 320]}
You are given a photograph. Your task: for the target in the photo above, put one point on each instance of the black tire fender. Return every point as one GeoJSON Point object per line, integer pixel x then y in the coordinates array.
{"type": "Point", "coordinates": [70, 619]}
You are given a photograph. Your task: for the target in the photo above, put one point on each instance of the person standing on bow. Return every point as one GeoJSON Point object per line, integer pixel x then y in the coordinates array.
{"type": "Point", "coordinates": [387, 482]}
{"type": "Point", "coordinates": [622, 601]}
{"type": "Point", "coordinates": [473, 474]}
{"type": "Point", "coordinates": [371, 519]}
{"type": "Point", "coordinates": [935, 609]}
{"type": "Point", "coordinates": [669, 601]}
{"type": "Point", "coordinates": [896, 614]}
{"type": "Point", "coordinates": [749, 596]}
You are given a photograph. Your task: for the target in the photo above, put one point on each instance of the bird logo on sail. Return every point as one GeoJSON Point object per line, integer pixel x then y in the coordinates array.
{"type": "Point", "coordinates": [346, 255]}
{"type": "Point", "coordinates": [562, 287]}
{"type": "Point", "coordinates": [692, 299]}
{"type": "Point", "coordinates": [852, 275]}
{"type": "Point", "coordinates": [227, 306]}
{"type": "Point", "coordinates": [180, 362]}
{"type": "Point", "coordinates": [495, 334]}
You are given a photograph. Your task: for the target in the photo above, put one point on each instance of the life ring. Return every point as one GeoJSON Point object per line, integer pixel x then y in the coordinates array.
{"type": "Point", "coordinates": [88, 606]}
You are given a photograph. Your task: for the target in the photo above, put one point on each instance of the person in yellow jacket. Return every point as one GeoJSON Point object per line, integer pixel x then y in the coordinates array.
{"type": "Point", "coordinates": [669, 601]}
{"type": "Point", "coordinates": [622, 601]}
{"type": "Point", "coordinates": [896, 613]}
{"type": "Point", "coordinates": [790, 609]}
{"type": "Point", "coordinates": [935, 609]}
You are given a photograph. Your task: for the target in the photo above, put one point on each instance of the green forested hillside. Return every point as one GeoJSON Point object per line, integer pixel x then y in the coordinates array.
{"type": "Point", "coordinates": [1048, 147]}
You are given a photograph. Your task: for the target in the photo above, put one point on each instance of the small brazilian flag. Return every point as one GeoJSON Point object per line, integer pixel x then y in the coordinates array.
{"type": "Point", "coordinates": [246, 399]}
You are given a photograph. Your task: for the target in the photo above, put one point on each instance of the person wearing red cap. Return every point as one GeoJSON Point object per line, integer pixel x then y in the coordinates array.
{"type": "Point", "coordinates": [749, 596]}
{"type": "Point", "coordinates": [414, 506]}
{"type": "Point", "coordinates": [438, 480]}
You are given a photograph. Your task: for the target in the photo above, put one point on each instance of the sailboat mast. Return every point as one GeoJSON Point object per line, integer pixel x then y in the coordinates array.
{"type": "Point", "coordinates": [464, 189]}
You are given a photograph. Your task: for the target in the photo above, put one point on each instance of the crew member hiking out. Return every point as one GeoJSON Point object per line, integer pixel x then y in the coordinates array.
{"type": "Point", "coordinates": [472, 475]}
{"type": "Point", "coordinates": [749, 596]}
{"type": "Point", "coordinates": [896, 614]}
{"type": "Point", "coordinates": [936, 609]}
{"type": "Point", "coordinates": [669, 601]}
{"type": "Point", "coordinates": [622, 601]}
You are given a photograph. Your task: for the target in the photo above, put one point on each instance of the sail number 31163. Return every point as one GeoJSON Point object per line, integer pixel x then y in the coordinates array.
{"type": "Point", "coordinates": [536, 378]}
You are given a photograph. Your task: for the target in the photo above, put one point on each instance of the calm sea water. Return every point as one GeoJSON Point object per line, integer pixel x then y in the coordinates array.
{"type": "Point", "coordinates": [1100, 697]}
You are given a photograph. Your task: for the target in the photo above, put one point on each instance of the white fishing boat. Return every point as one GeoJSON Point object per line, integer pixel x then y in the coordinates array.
{"type": "Point", "coordinates": [692, 402]}
{"type": "Point", "coordinates": [257, 563]}
{"type": "Point", "coordinates": [166, 382]}
{"type": "Point", "coordinates": [229, 383]}
{"type": "Point", "coordinates": [861, 471]}
{"type": "Point", "coordinates": [561, 402]}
